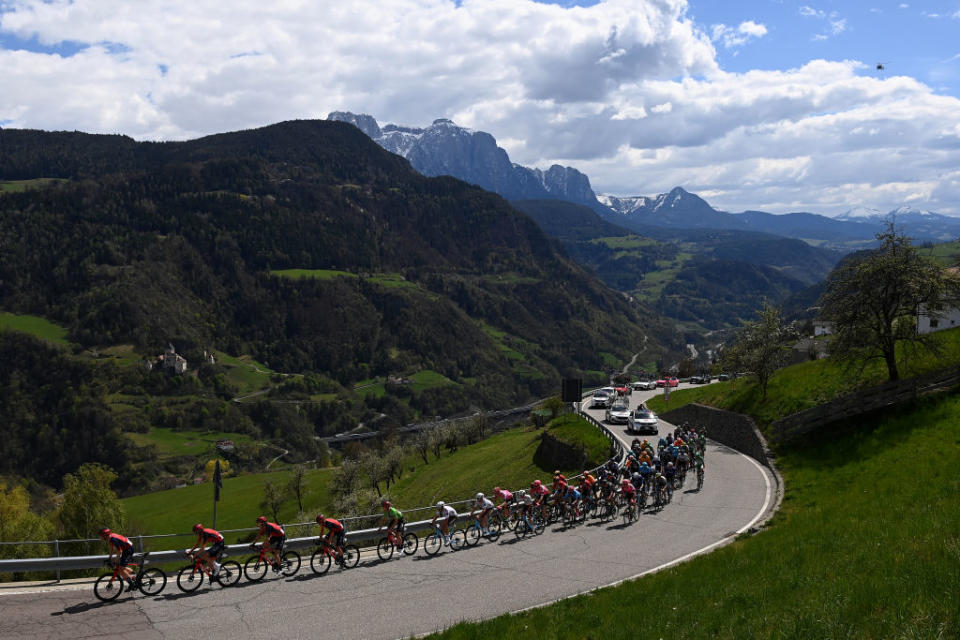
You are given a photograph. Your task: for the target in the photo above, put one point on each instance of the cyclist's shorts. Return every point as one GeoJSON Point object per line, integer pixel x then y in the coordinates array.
{"type": "Point", "coordinates": [452, 519]}
{"type": "Point", "coordinates": [277, 542]}
{"type": "Point", "coordinates": [340, 537]}
{"type": "Point", "coordinates": [215, 549]}
{"type": "Point", "coordinates": [126, 556]}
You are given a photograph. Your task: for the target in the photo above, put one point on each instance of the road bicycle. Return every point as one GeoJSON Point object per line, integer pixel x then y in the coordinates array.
{"type": "Point", "coordinates": [256, 567]}
{"type": "Point", "coordinates": [505, 515]}
{"type": "Point", "coordinates": [529, 524]}
{"type": "Point", "coordinates": [474, 531]}
{"type": "Point", "coordinates": [396, 541]}
{"type": "Point", "coordinates": [699, 478]}
{"type": "Point", "coordinates": [433, 542]}
{"type": "Point", "coordinates": [150, 581]}
{"type": "Point", "coordinates": [326, 555]}
{"type": "Point", "coordinates": [608, 510]}
{"type": "Point", "coordinates": [630, 512]}
{"type": "Point", "coordinates": [574, 513]}
{"type": "Point", "coordinates": [191, 576]}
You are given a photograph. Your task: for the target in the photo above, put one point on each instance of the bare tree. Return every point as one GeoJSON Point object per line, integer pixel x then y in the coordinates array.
{"type": "Point", "coordinates": [297, 485]}
{"type": "Point", "coordinates": [421, 444]}
{"type": "Point", "coordinates": [273, 496]}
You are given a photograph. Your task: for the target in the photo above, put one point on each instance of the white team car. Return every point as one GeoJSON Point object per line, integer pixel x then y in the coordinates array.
{"type": "Point", "coordinates": [618, 413]}
{"type": "Point", "coordinates": [644, 385]}
{"type": "Point", "coordinates": [643, 421]}
{"type": "Point", "coordinates": [600, 398]}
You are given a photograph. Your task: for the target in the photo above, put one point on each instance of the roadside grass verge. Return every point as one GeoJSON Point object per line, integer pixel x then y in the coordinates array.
{"type": "Point", "coordinates": [866, 545]}
{"type": "Point", "coordinates": [807, 384]}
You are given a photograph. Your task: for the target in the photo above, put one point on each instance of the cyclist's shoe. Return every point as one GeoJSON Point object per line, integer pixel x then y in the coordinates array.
{"type": "Point", "coordinates": [276, 568]}
{"type": "Point", "coordinates": [446, 541]}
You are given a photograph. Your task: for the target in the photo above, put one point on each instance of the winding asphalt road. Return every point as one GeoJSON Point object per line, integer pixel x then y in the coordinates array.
{"type": "Point", "coordinates": [418, 594]}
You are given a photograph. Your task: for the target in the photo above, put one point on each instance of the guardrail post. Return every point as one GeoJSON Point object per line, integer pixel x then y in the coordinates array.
{"type": "Point", "coordinates": [140, 542]}
{"type": "Point", "coordinates": [56, 549]}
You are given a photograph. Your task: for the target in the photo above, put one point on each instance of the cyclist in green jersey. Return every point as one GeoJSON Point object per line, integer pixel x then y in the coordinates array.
{"type": "Point", "coordinates": [392, 517]}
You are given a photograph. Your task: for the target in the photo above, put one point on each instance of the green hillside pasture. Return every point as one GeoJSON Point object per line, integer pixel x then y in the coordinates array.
{"type": "Point", "coordinates": [504, 459]}
{"type": "Point", "coordinates": [319, 274]}
{"type": "Point", "coordinates": [866, 545]}
{"type": "Point", "coordinates": [171, 443]}
{"type": "Point", "coordinates": [177, 510]}
{"type": "Point", "coordinates": [246, 373]}
{"type": "Point", "coordinates": [35, 326]}
{"type": "Point", "coordinates": [11, 186]}
{"type": "Point", "coordinates": [945, 254]}
{"type": "Point", "coordinates": [808, 384]}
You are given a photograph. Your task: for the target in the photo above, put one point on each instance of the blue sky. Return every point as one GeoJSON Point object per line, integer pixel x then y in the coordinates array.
{"type": "Point", "coordinates": [758, 104]}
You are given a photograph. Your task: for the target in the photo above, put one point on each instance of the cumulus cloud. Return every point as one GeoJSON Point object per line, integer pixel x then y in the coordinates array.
{"type": "Point", "coordinates": [629, 92]}
{"type": "Point", "coordinates": [732, 37]}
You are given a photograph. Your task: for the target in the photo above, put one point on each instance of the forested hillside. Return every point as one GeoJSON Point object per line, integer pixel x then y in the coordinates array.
{"type": "Point", "coordinates": [192, 243]}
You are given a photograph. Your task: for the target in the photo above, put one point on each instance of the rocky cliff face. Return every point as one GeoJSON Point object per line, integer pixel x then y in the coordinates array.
{"type": "Point", "coordinates": [446, 149]}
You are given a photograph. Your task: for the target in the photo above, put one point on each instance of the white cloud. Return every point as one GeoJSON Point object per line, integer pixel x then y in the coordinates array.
{"type": "Point", "coordinates": [833, 24]}
{"type": "Point", "coordinates": [736, 37]}
{"type": "Point", "coordinates": [629, 92]}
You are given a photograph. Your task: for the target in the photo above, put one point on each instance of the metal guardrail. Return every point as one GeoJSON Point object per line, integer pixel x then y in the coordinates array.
{"type": "Point", "coordinates": [59, 563]}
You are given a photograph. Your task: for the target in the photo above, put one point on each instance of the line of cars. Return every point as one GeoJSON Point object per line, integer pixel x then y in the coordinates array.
{"type": "Point", "coordinates": [613, 399]}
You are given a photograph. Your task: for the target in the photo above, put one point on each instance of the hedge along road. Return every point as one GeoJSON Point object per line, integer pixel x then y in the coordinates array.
{"type": "Point", "coordinates": [414, 595]}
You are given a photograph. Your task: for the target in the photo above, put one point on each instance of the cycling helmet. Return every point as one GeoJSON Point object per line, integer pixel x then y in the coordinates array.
{"type": "Point", "coordinates": [536, 483]}
{"type": "Point", "coordinates": [480, 496]}
{"type": "Point", "coordinates": [441, 504]}
{"type": "Point", "coordinates": [104, 532]}
{"type": "Point", "coordinates": [669, 464]}
{"type": "Point", "coordinates": [497, 491]}
{"type": "Point", "coordinates": [386, 504]}
{"type": "Point", "coordinates": [320, 518]}
{"type": "Point", "coordinates": [261, 519]}
{"type": "Point", "coordinates": [522, 492]}
{"type": "Point", "coordinates": [197, 527]}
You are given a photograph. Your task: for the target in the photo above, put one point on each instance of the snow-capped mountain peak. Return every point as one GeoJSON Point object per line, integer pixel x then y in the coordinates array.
{"type": "Point", "coordinates": [860, 213]}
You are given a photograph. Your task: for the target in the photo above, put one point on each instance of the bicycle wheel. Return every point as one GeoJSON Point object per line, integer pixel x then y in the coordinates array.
{"type": "Point", "coordinates": [410, 543]}
{"type": "Point", "coordinates": [291, 563]}
{"type": "Point", "coordinates": [458, 540]}
{"type": "Point", "coordinates": [432, 544]}
{"type": "Point", "coordinates": [255, 568]}
{"type": "Point", "coordinates": [152, 581]}
{"type": "Point", "coordinates": [628, 515]}
{"type": "Point", "coordinates": [473, 534]}
{"type": "Point", "coordinates": [320, 562]}
{"type": "Point", "coordinates": [108, 588]}
{"type": "Point", "coordinates": [351, 556]}
{"type": "Point", "coordinates": [522, 529]}
{"type": "Point", "coordinates": [493, 526]}
{"type": "Point", "coordinates": [385, 549]}
{"type": "Point", "coordinates": [538, 525]}
{"type": "Point", "coordinates": [230, 572]}
{"type": "Point", "coordinates": [190, 578]}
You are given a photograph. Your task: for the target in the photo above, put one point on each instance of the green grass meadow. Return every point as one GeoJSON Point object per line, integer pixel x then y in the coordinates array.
{"type": "Point", "coordinates": [35, 326]}
{"type": "Point", "coordinates": [505, 459]}
{"type": "Point", "coordinates": [865, 545]}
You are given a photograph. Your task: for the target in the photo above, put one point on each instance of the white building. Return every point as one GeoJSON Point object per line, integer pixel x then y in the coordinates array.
{"type": "Point", "coordinates": [946, 316]}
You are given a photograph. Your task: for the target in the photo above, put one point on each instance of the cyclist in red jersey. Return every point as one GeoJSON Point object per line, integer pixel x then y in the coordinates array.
{"type": "Point", "coordinates": [337, 533]}
{"type": "Point", "coordinates": [121, 547]}
{"type": "Point", "coordinates": [275, 538]}
{"type": "Point", "coordinates": [209, 556]}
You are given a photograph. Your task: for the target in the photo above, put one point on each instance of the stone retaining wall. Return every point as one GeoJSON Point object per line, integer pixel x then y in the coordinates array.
{"type": "Point", "coordinates": [726, 427]}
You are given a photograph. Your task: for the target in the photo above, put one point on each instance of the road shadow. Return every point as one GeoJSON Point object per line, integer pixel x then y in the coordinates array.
{"type": "Point", "coordinates": [83, 607]}
{"type": "Point", "coordinates": [182, 594]}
